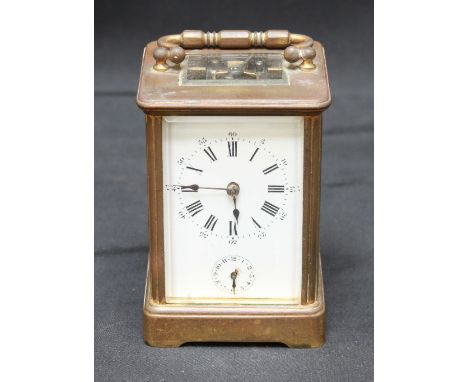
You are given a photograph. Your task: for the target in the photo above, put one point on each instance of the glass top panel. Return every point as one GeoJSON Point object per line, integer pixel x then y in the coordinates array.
{"type": "Point", "coordinates": [234, 69]}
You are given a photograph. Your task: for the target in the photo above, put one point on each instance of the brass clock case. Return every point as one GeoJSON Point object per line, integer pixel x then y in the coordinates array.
{"type": "Point", "coordinates": [306, 93]}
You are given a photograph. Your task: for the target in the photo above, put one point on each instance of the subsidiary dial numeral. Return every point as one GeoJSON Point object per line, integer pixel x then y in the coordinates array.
{"type": "Point", "coordinates": [211, 222]}
{"type": "Point", "coordinates": [195, 208]}
{"type": "Point", "coordinates": [232, 147]}
{"type": "Point", "coordinates": [210, 153]}
{"type": "Point", "coordinates": [232, 228]}
{"type": "Point", "coordinates": [270, 169]}
{"type": "Point", "coordinates": [275, 188]}
{"type": "Point", "coordinates": [270, 208]}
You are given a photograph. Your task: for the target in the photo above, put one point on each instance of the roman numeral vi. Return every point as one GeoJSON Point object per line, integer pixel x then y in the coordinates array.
{"type": "Point", "coordinates": [232, 228]}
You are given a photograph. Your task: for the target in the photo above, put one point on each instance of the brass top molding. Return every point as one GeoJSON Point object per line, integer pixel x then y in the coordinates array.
{"type": "Point", "coordinates": [298, 48]}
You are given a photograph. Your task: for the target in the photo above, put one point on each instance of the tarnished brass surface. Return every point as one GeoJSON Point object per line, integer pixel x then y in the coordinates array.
{"type": "Point", "coordinates": [155, 205]}
{"type": "Point", "coordinates": [161, 93]}
{"type": "Point", "coordinates": [168, 325]}
{"type": "Point", "coordinates": [311, 207]}
{"type": "Point", "coordinates": [172, 325]}
{"type": "Point", "coordinates": [299, 51]}
{"type": "Point", "coordinates": [306, 94]}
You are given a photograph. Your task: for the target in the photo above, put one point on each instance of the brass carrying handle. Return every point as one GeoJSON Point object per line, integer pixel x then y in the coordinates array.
{"type": "Point", "coordinates": [298, 48]}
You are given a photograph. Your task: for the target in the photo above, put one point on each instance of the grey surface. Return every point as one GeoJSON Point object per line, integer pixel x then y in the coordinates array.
{"type": "Point", "coordinates": [122, 29]}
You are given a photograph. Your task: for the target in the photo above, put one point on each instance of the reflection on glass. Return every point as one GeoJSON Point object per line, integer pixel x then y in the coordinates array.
{"type": "Point", "coordinates": [238, 68]}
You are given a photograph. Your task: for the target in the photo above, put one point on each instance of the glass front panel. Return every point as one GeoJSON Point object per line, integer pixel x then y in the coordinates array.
{"type": "Point", "coordinates": [233, 209]}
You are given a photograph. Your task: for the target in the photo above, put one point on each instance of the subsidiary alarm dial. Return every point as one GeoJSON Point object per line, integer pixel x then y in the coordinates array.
{"type": "Point", "coordinates": [233, 274]}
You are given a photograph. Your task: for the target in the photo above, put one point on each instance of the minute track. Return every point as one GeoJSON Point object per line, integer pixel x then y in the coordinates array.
{"type": "Point", "coordinates": [230, 166]}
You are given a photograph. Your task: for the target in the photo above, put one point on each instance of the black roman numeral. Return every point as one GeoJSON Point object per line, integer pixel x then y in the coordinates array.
{"type": "Point", "coordinates": [270, 208]}
{"type": "Point", "coordinates": [195, 208]}
{"type": "Point", "coordinates": [211, 222]}
{"type": "Point", "coordinates": [255, 153]}
{"type": "Point", "coordinates": [232, 228]}
{"type": "Point", "coordinates": [210, 153]}
{"type": "Point", "coordinates": [256, 223]}
{"type": "Point", "coordinates": [232, 147]}
{"type": "Point", "coordinates": [270, 169]}
{"type": "Point", "coordinates": [275, 188]}
{"type": "Point", "coordinates": [194, 169]}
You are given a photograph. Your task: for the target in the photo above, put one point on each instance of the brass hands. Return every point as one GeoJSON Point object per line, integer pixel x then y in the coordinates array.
{"type": "Point", "coordinates": [236, 211]}
{"type": "Point", "coordinates": [196, 187]}
{"type": "Point", "coordinates": [233, 277]}
{"type": "Point", "coordinates": [232, 190]}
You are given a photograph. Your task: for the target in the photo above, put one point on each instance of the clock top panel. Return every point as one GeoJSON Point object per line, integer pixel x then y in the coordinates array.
{"type": "Point", "coordinates": [188, 90]}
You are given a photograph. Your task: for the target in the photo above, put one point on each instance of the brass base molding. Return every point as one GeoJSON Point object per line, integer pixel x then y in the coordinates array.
{"type": "Point", "coordinates": [297, 326]}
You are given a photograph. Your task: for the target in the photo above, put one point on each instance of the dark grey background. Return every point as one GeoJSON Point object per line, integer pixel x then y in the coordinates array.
{"type": "Point", "coordinates": [122, 29]}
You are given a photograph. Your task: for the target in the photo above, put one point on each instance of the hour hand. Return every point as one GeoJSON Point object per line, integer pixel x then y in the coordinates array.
{"type": "Point", "coordinates": [236, 211]}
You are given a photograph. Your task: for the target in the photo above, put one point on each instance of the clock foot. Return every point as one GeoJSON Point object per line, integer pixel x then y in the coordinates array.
{"type": "Point", "coordinates": [297, 326]}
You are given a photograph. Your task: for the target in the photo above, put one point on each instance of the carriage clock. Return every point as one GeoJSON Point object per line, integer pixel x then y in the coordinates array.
{"type": "Point", "coordinates": [233, 133]}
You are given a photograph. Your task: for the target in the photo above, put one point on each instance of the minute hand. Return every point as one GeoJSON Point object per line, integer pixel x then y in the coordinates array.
{"type": "Point", "coordinates": [196, 187]}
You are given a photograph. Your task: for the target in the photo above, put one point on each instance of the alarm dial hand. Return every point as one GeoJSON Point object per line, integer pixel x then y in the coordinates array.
{"type": "Point", "coordinates": [233, 277]}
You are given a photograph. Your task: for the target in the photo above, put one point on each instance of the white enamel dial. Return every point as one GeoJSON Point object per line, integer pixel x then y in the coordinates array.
{"type": "Point", "coordinates": [233, 190]}
{"type": "Point", "coordinates": [221, 222]}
